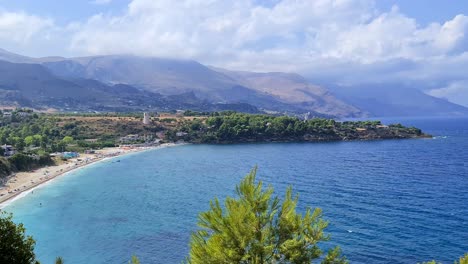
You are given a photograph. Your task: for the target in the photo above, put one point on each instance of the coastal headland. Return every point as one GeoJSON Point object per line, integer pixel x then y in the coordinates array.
{"type": "Point", "coordinates": [38, 147]}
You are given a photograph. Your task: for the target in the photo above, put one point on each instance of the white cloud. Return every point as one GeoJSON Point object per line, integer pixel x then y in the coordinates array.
{"type": "Point", "coordinates": [32, 35]}
{"type": "Point", "coordinates": [302, 31]}
{"type": "Point", "coordinates": [209, 29]}
{"type": "Point", "coordinates": [22, 28]}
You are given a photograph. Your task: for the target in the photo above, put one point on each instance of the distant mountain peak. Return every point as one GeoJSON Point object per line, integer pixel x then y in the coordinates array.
{"type": "Point", "coordinates": [6, 55]}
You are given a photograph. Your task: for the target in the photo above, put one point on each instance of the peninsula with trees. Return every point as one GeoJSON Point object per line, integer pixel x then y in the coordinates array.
{"type": "Point", "coordinates": [31, 139]}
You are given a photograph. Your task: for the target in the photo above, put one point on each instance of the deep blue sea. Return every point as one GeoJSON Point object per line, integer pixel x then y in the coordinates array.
{"type": "Point", "coordinates": [393, 201]}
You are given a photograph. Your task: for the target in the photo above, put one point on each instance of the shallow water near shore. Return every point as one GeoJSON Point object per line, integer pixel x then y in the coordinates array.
{"type": "Point", "coordinates": [393, 201]}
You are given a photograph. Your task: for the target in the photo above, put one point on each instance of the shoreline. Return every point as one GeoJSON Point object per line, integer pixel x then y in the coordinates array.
{"type": "Point", "coordinates": [25, 182]}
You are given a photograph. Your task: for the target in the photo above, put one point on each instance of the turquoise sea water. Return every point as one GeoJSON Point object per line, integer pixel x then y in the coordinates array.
{"type": "Point", "coordinates": [395, 201]}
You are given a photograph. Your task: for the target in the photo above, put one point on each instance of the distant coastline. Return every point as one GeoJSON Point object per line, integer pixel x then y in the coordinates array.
{"type": "Point", "coordinates": [231, 127]}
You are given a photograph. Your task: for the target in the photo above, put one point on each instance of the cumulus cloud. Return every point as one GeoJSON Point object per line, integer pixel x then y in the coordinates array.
{"type": "Point", "coordinates": [216, 29]}
{"type": "Point", "coordinates": [33, 35]}
{"type": "Point", "coordinates": [392, 35]}
{"type": "Point", "coordinates": [300, 31]}
{"type": "Point", "coordinates": [21, 28]}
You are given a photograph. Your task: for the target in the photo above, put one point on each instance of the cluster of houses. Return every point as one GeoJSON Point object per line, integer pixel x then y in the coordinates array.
{"type": "Point", "coordinates": [134, 138]}
{"type": "Point", "coordinates": [18, 112]}
{"type": "Point", "coordinates": [181, 134]}
{"type": "Point", "coordinates": [138, 140]}
{"type": "Point", "coordinates": [130, 138]}
{"type": "Point", "coordinates": [8, 150]}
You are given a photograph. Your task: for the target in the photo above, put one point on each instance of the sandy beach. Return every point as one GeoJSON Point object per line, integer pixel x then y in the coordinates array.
{"type": "Point", "coordinates": [21, 182]}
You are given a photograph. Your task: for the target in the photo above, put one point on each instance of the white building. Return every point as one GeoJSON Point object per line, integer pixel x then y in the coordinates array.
{"type": "Point", "coordinates": [129, 138]}
{"type": "Point", "coordinates": [146, 119]}
{"type": "Point", "coordinates": [181, 134]}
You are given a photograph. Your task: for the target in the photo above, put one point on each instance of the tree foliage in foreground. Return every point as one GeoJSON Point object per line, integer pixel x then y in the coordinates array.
{"type": "Point", "coordinates": [134, 260]}
{"type": "Point", "coordinates": [59, 260]}
{"type": "Point", "coordinates": [15, 246]}
{"type": "Point", "coordinates": [461, 260]}
{"type": "Point", "coordinates": [257, 228]}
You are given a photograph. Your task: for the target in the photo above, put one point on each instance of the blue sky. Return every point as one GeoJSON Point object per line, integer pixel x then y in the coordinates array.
{"type": "Point", "coordinates": [427, 11]}
{"type": "Point", "coordinates": [420, 42]}
{"type": "Point", "coordinates": [65, 11]}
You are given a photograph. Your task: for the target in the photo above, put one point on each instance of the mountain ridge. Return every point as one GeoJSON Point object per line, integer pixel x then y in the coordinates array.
{"type": "Point", "coordinates": [270, 91]}
{"type": "Point", "coordinates": [33, 85]}
{"type": "Point", "coordinates": [171, 77]}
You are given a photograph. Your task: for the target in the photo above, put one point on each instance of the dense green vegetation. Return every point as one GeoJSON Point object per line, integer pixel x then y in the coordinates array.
{"type": "Point", "coordinates": [15, 246]}
{"type": "Point", "coordinates": [42, 133]}
{"type": "Point", "coordinates": [5, 168]}
{"type": "Point", "coordinates": [22, 162]}
{"type": "Point", "coordinates": [134, 260]}
{"type": "Point", "coordinates": [461, 260]}
{"type": "Point", "coordinates": [257, 228]}
{"type": "Point", "coordinates": [231, 127]}
{"type": "Point", "coordinates": [35, 135]}
{"type": "Point", "coordinates": [33, 132]}
{"type": "Point", "coordinates": [59, 260]}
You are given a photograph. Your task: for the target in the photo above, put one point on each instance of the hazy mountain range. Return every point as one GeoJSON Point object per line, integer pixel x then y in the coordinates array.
{"type": "Point", "coordinates": [125, 83]}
